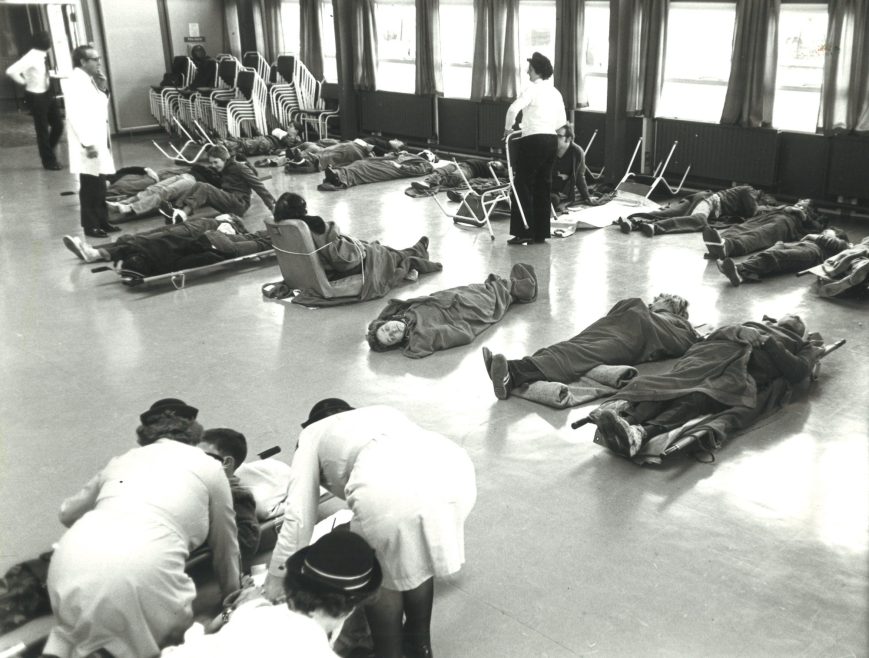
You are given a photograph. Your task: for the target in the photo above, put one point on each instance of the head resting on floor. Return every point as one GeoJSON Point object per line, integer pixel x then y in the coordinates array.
{"type": "Point", "coordinates": [792, 322]}
{"type": "Point", "coordinates": [671, 304]}
{"type": "Point", "coordinates": [169, 418]}
{"type": "Point", "coordinates": [386, 334]}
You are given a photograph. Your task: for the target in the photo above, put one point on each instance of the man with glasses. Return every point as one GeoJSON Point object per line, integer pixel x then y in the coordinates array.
{"type": "Point", "coordinates": [230, 449]}
{"type": "Point", "coordinates": [90, 152]}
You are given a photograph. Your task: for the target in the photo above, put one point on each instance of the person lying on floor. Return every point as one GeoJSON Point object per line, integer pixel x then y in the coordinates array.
{"type": "Point", "coordinates": [230, 449]}
{"type": "Point", "coordinates": [309, 157]}
{"type": "Point", "coordinates": [743, 371]}
{"type": "Point", "coordinates": [450, 176]}
{"type": "Point", "coordinates": [785, 257]}
{"type": "Point", "coordinates": [694, 213]}
{"type": "Point", "coordinates": [631, 333]}
{"type": "Point", "coordinates": [341, 256]}
{"type": "Point", "coordinates": [568, 172]}
{"type": "Point", "coordinates": [323, 584]}
{"type": "Point", "coordinates": [844, 271]}
{"type": "Point", "coordinates": [168, 189]}
{"type": "Point", "coordinates": [374, 170]}
{"type": "Point", "coordinates": [448, 318]}
{"type": "Point", "coordinates": [274, 144]}
{"type": "Point", "coordinates": [197, 242]}
{"type": "Point", "coordinates": [780, 224]}
{"type": "Point", "coordinates": [238, 181]}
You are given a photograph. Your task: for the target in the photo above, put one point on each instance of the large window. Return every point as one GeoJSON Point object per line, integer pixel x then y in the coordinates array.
{"type": "Point", "coordinates": [457, 46]}
{"type": "Point", "coordinates": [290, 21]}
{"type": "Point", "coordinates": [596, 52]}
{"type": "Point", "coordinates": [536, 31]}
{"type": "Point", "coordinates": [330, 53]}
{"type": "Point", "coordinates": [802, 33]}
{"type": "Point", "coordinates": [396, 45]}
{"type": "Point", "coordinates": [697, 61]}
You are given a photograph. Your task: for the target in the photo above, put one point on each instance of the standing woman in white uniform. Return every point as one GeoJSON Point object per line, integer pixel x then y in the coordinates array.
{"type": "Point", "coordinates": [116, 580]}
{"type": "Point", "coordinates": [90, 153]}
{"type": "Point", "coordinates": [410, 491]}
{"type": "Point", "coordinates": [543, 113]}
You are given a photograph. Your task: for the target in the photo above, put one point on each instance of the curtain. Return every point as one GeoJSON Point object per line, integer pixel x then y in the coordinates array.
{"type": "Point", "coordinates": [364, 45]}
{"type": "Point", "coordinates": [310, 36]}
{"type": "Point", "coordinates": [269, 28]}
{"type": "Point", "coordinates": [495, 72]}
{"type": "Point", "coordinates": [429, 75]}
{"type": "Point", "coordinates": [845, 89]}
{"type": "Point", "coordinates": [233, 30]}
{"type": "Point", "coordinates": [569, 30]}
{"type": "Point", "coordinates": [751, 88]}
{"type": "Point", "coordinates": [649, 39]}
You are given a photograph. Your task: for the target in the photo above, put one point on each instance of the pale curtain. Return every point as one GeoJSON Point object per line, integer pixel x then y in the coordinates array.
{"type": "Point", "coordinates": [495, 72]}
{"type": "Point", "coordinates": [429, 75]}
{"type": "Point", "coordinates": [845, 90]}
{"type": "Point", "coordinates": [310, 36]}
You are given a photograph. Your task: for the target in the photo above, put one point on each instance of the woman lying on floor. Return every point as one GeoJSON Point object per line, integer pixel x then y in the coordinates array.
{"type": "Point", "coordinates": [452, 317]}
{"type": "Point", "coordinates": [168, 189]}
{"type": "Point", "coordinates": [197, 242]}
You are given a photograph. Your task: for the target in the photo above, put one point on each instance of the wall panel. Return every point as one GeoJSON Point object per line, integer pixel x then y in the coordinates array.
{"type": "Point", "coordinates": [397, 115]}
{"type": "Point", "coordinates": [457, 123]}
{"type": "Point", "coordinates": [849, 167]}
{"type": "Point", "coordinates": [802, 165]}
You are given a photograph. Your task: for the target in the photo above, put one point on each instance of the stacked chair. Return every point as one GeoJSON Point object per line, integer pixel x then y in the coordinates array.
{"type": "Point", "coordinates": [163, 100]}
{"type": "Point", "coordinates": [227, 72]}
{"type": "Point", "coordinates": [187, 103]}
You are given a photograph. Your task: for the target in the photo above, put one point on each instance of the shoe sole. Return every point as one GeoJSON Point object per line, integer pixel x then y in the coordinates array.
{"type": "Point", "coordinates": [624, 226]}
{"type": "Point", "coordinates": [70, 244]}
{"type": "Point", "coordinates": [728, 268]}
{"type": "Point", "coordinates": [499, 375]}
{"type": "Point", "coordinates": [487, 359]}
{"type": "Point", "coordinates": [647, 230]}
{"type": "Point", "coordinates": [714, 243]}
{"type": "Point", "coordinates": [612, 434]}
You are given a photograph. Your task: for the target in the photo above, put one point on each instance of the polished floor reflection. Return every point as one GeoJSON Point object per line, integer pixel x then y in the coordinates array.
{"type": "Point", "coordinates": [571, 550]}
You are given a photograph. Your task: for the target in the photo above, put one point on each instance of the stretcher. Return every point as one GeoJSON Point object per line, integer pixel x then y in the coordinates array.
{"type": "Point", "coordinates": [179, 278]}
{"type": "Point", "coordinates": [691, 438]}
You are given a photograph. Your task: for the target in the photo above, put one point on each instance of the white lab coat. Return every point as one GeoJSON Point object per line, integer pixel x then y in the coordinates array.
{"type": "Point", "coordinates": [87, 122]}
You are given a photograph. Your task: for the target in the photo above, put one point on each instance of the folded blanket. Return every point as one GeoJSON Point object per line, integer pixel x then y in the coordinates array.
{"type": "Point", "coordinates": [598, 382]}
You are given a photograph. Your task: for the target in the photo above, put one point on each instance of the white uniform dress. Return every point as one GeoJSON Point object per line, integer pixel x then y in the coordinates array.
{"type": "Point", "coordinates": [410, 491]}
{"type": "Point", "coordinates": [117, 579]}
{"type": "Point", "coordinates": [87, 120]}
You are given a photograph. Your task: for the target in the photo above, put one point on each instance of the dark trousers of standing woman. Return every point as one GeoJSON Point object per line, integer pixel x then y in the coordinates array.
{"type": "Point", "coordinates": [48, 123]}
{"type": "Point", "coordinates": [532, 179]}
{"type": "Point", "coordinates": [92, 198]}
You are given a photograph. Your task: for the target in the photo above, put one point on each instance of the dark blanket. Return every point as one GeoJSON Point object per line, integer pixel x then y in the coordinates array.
{"type": "Point", "coordinates": [628, 335]}
{"type": "Point", "coordinates": [453, 317]}
{"type": "Point", "coordinates": [383, 268]}
{"type": "Point", "coordinates": [373, 170]}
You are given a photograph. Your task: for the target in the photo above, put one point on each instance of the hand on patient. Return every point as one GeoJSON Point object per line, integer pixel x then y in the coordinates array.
{"type": "Point", "coordinates": [273, 589]}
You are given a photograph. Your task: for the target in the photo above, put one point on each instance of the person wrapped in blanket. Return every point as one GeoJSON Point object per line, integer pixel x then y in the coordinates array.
{"type": "Point", "coordinates": [452, 176]}
{"type": "Point", "coordinates": [568, 172]}
{"type": "Point", "coordinates": [611, 340]}
{"type": "Point", "coordinates": [275, 143]}
{"type": "Point", "coordinates": [698, 211]}
{"type": "Point", "coordinates": [375, 169]}
{"type": "Point", "coordinates": [772, 225]}
{"type": "Point", "coordinates": [197, 242]}
{"type": "Point", "coordinates": [171, 185]}
{"type": "Point", "coordinates": [448, 318]}
{"type": "Point", "coordinates": [844, 271]}
{"type": "Point", "coordinates": [238, 180]}
{"type": "Point", "coordinates": [230, 448]}
{"type": "Point", "coordinates": [317, 156]}
{"type": "Point", "coordinates": [341, 256]}
{"type": "Point", "coordinates": [736, 374]}
{"type": "Point", "coordinates": [323, 584]}
{"type": "Point", "coordinates": [785, 257]}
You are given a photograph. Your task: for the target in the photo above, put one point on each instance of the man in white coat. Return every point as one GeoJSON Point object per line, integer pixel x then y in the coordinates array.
{"type": "Point", "coordinates": [90, 153]}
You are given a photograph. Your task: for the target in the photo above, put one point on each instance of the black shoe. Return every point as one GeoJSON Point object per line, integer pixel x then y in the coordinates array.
{"type": "Point", "coordinates": [518, 240]}
{"type": "Point", "coordinates": [95, 233]}
{"type": "Point", "coordinates": [728, 268]}
{"type": "Point", "coordinates": [166, 209]}
{"type": "Point", "coordinates": [110, 228]}
{"type": "Point", "coordinates": [53, 166]}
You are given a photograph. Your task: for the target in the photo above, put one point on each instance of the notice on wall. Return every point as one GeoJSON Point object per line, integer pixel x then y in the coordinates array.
{"type": "Point", "coordinates": [192, 29]}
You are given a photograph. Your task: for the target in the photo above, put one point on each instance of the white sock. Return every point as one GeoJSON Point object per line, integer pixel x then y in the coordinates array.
{"type": "Point", "coordinates": [280, 133]}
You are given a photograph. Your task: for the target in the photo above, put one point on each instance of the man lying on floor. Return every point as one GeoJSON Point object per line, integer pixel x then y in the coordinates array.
{"type": "Point", "coordinates": [374, 170]}
{"type": "Point", "coordinates": [449, 318]}
{"type": "Point", "coordinates": [194, 243]}
{"type": "Point", "coordinates": [341, 256]}
{"type": "Point", "coordinates": [317, 156]}
{"type": "Point", "coordinates": [631, 333]}
{"type": "Point", "coordinates": [781, 224]}
{"type": "Point", "coordinates": [450, 176]}
{"type": "Point", "coordinates": [734, 376]}
{"type": "Point", "coordinates": [844, 271]}
{"type": "Point", "coordinates": [785, 257]}
{"type": "Point", "coordinates": [698, 211]}
{"type": "Point", "coordinates": [168, 189]}
{"type": "Point", "coordinates": [274, 144]}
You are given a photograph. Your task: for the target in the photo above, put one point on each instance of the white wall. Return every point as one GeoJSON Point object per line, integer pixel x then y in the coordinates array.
{"type": "Point", "coordinates": [208, 14]}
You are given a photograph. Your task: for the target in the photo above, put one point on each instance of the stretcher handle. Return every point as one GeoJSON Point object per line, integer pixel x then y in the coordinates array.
{"type": "Point", "coordinates": [681, 444]}
{"type": "Point", "coordinates": [575, 425]}
{"type": "Point", "coordinates": [103, 268]}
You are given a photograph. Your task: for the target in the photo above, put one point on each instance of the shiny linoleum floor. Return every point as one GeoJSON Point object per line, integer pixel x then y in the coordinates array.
{"type": "Point", "coordinates": [571, 551]}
